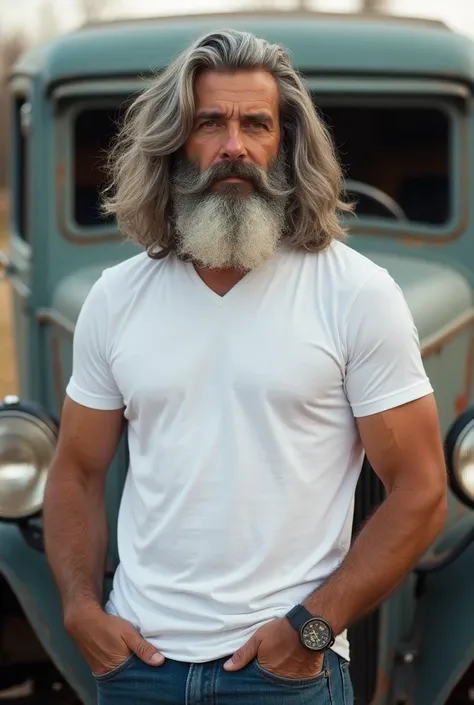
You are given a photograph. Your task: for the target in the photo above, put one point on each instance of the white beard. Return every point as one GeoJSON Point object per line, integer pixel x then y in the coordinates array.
{"type": "Point", "coordinates": [226, 230]}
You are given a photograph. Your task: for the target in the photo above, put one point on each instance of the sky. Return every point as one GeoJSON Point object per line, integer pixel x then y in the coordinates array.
{"type": "Point", "coordinates": [459, 14]}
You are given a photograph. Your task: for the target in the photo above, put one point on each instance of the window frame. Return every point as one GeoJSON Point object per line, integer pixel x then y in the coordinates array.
{"type": "Point", "coordinates": [19, 160]}
{"type": "Point", "coordinates": [385, 226]}
{"type": "Point", "coordinates": [66, 155]}
{"type": "Point", "coordinates": [450, 97]}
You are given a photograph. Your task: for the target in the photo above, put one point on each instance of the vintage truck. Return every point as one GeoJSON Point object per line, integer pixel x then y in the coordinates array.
{"type": "Point", "coordinates": [398, 96]}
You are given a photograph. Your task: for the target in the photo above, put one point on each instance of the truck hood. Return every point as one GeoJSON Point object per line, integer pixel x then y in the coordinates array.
{"type": "Point", "coordinates": [71, 292]}
{"type": "Point", "coordinates": [437, 294]}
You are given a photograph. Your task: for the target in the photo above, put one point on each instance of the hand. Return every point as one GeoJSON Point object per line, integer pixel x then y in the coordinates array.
{"type": "Point", "coordinates": [107, 641]}
{"type": "Point", "coordinates": [278, 650]}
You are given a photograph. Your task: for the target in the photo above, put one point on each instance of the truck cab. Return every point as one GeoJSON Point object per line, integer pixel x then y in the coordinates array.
{"type": "Point", "coordinates": [398, 97]}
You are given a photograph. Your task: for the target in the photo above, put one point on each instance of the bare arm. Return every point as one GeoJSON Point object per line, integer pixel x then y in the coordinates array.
{"type": "Point", "coordinates": [74, 508]}
{"type": "Point", "coordinates": [76, 536]}
{"type": "Point", "coordinates": [403, 446]}
{"type": "Point", "coordinates": [75, 522]}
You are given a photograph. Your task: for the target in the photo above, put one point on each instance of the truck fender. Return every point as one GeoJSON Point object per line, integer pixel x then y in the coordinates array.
{"type": "Point", "coordinates": [22, 566]}
{"type": "Point", "coordinates": [446, 625]}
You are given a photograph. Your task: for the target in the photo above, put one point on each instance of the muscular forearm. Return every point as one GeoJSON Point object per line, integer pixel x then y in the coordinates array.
{"type": "Point", "coordinates": [75, 539]}
{"type": "Point", "coordinates": [390, 544]}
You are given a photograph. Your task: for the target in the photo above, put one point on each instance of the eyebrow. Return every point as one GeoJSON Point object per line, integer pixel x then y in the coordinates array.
{"type": "Point", "coordinates": [261, 117]}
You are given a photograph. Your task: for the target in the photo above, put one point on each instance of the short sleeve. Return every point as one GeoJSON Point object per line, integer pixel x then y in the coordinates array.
{"type": "Point", "coordinates": [92, 383]}
{"type": "Point", "coordinates": [384, 366]}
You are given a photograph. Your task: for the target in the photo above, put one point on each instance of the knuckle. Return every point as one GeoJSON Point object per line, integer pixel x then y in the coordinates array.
{"type": "Point", "coordinates": [238, 655]}
{"type": "Point", "coordinates": [144, 650]}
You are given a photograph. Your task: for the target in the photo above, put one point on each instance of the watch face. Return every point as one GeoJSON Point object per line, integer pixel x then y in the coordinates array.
{"type": "Point", "coordinates": [316, 635]}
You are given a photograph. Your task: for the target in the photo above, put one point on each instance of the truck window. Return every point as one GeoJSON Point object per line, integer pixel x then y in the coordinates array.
{"type": "Point", "coordinates": [22, 110]}
{"type": "Point", "coordinates": [403, 151]}
{"type": "Point", "coordinates": [93, 133]}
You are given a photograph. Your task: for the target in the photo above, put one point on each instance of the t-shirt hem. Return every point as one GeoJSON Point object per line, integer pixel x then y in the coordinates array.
{"type": "Point", "coordinates": [91, 400]}
{"type": "Point", "coordinates": [171, 648]}
{"type": "Point", "coordinates": [207, 654]}
{"type": "Point", "coordinates": [204, 655]}
{"type": "Point", "coordinates": [390, 401]}
{"type": "Point", "coordinates": [342, 650]}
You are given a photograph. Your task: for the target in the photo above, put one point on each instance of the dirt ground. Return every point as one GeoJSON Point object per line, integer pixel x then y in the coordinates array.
{"type": "Point", "coordinates": [8, 382]}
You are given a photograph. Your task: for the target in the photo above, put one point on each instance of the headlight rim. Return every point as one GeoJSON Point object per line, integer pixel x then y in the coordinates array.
{"type": "Point", "coordinates": [463, 423]}
{"type": "Point", "coordinates": [34, 413]}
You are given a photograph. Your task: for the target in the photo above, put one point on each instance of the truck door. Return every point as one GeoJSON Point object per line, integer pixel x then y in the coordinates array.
{"type": "Point", "coordinates": [15, 261]}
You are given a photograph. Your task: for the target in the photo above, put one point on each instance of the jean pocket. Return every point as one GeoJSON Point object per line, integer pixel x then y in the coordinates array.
{"type": "Point", "coordinates": [108, 675]}
{"type": "Point", "coordinates": [291, 682]}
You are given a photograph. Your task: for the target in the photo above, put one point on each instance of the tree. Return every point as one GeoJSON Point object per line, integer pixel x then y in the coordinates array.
{"type": "Point", "coordinates": [93, 10]}
{"type": "Point", "coordinates": [48, 20]}
{"type": "Point", "coordinates": [11, 46]}
{"type": "Point", "coordinates": [373, 6]}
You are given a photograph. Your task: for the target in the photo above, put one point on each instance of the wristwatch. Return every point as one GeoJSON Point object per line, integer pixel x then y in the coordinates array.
{"type": "Point", "coordinates": [315, 632]}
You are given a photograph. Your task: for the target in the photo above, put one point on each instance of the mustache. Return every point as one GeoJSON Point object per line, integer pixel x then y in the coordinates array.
{"type": "Point", "coordinates": [189, 181]}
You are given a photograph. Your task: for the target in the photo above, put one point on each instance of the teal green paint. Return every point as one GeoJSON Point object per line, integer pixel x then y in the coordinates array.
{"type": "Point", "coordinates": [360, 57]}
{"type": "Point", "coordinates": [422, 283]}
{"type": "Point", "coordinates": [27, 573]}
{"type": "Point", "coordinates": [447, 609]}
{"type": "Point", "coordinates": [318, 44]}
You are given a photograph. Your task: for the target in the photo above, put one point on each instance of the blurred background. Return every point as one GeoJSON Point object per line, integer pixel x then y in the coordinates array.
{"type": "Point", "coordinates": [25, 22]}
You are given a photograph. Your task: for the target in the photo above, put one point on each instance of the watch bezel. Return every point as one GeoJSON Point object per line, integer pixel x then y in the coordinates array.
{"type": "Point", "coordinates": [331, 636]}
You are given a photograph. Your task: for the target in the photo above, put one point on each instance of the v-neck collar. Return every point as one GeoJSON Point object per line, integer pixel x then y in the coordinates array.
{"type": "Point", "coordinates": [211, 294]}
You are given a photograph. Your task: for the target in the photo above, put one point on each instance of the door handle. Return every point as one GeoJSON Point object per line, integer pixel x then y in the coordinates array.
{"type": "Point", "coordinates": [8, 269]}
{"type": "Point", "coordinates": [4, 264]}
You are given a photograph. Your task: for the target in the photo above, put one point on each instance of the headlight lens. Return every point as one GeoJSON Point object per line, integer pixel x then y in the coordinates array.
{"type": "Point", "coordinates": [464, 459]}
{"type": "Point", "coordinates": [27, 445]}
{"type": "Point", "coordinates": [460, 457]}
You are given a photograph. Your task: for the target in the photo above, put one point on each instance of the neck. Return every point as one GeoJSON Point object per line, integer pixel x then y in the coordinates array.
{"type": "Point", "coordinates": [222, 280]}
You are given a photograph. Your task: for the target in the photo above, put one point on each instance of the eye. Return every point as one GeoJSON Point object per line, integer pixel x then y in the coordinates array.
{"type": "Point", "coordinates": [207, 124]}
{"type": "Point", "coordinates": [256, 125]}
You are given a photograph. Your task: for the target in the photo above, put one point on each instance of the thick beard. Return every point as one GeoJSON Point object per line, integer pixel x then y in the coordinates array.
{"type": "Point", "coordinates": [220, 230]}
{"type": "Point", "coordinates": [232, 228]}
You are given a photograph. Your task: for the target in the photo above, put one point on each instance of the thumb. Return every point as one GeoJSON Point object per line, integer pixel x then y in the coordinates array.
{"type": "Point", "coordinates": [145, 651]}
{"type": "Point", "coordinates": [242, 656]}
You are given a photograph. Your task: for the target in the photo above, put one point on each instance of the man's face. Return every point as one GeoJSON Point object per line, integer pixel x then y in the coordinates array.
{"type": "Point", "coordinates": [237, 119]}
{"type": "Point", "coordinates": [229, 185]}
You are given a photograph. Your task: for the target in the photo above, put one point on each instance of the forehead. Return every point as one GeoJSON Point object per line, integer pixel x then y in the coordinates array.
{"type": "Point", "coordinates": [257, 88]}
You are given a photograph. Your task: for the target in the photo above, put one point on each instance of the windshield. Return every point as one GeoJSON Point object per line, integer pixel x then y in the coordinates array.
{"type": "Point", "coordinates": [396, 160]}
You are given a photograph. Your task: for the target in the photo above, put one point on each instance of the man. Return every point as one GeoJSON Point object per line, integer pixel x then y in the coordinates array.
{"type": "Point", "coordinates": [255, 359]}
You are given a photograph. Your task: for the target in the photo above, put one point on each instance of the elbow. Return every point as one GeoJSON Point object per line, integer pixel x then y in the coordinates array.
{"type": "Point", "coordinates": [428, 507]}
{"type": "Point", "coordinates": [437, 510]}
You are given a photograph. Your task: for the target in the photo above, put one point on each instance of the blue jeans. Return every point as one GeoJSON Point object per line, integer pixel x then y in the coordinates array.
{"type": "Point", "coordinates": [176, 683]}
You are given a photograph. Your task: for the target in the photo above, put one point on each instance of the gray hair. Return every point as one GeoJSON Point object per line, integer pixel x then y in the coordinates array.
{"type": "Point", "coordinates": [158, 122]}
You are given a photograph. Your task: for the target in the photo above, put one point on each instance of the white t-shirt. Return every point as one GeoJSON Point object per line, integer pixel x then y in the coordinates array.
{"type": "Point", "coordinates": [244, 450]}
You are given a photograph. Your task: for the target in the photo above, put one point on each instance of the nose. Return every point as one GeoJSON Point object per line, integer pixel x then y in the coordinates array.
{"type": "Point", "coordinates": [233, 146]}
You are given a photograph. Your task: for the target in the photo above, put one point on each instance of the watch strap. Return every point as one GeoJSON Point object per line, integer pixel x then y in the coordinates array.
{"type": "Point", "coordinates": [298, 616]}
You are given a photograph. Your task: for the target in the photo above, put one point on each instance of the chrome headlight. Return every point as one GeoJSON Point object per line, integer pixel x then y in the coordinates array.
{"type": "Point", "coordinates": [460, 457]}
{"type": "Point", "coordinates": [27, 444]}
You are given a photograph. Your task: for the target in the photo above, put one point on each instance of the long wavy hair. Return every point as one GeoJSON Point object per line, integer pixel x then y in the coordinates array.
{"type": "Point", "coordinates": [158, 122]}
